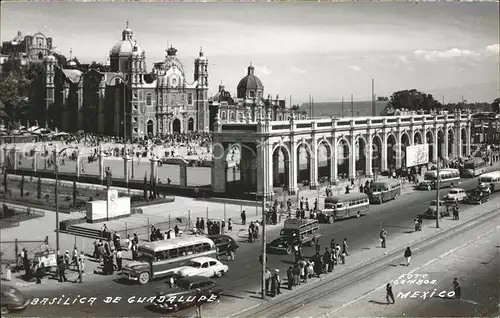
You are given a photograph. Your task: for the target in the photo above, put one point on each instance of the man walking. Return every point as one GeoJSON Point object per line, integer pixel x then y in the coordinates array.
{"type": "Point", "coordinates": [344, 247]}
{"type": "Point", "coordinates": [389, 294]}
{"type": "Point", "coordinates": [383, 237]}
{"type": "Point", "coordinates": [408, 256]}
{"type": "Point", "coordinates": [456, 288]}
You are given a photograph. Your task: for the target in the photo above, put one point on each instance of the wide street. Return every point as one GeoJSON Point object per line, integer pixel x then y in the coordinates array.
{"type": "Point", "coordinates": [243, 281]}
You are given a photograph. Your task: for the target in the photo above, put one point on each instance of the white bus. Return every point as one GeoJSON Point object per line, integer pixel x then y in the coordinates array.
{"type": "Point", "coordinates": [447, 177]}
{"type": "Point", "coordinates": [163, 258]}
{"type": "Point", "coordinates": [492, 179]}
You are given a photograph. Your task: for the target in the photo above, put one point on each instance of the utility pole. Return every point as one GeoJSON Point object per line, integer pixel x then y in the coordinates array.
{"type": "Point", "coordinates": [264, 186]}
{"type": "Point", "coordinates": [438, 184]}
{"type": "Point", "coordinates": [374, 111]}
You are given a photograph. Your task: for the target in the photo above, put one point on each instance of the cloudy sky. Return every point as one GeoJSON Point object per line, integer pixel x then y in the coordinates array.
{"type": "Point", "coordinates": [328, 50]}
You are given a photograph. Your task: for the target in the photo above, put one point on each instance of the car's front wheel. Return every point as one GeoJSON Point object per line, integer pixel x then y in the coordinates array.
{"type": "Point", "coordinates": [219, 273]}
{"type": "Point", "coordinates": [5, 310]}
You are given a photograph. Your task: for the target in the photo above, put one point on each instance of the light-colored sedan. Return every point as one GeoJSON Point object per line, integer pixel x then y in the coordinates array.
{"type": "Point", "coordinates": [203, 266]}
{"type": "Point", "coordinates": [457, 194]}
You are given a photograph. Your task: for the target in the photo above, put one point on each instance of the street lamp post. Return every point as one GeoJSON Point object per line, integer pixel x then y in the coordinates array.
{"type": "Point", "coordinates": [264, 256]}
{"type": "Point", "coordinates": [56, 169]}
{"type": "Point", "coordinates": [438, 215]}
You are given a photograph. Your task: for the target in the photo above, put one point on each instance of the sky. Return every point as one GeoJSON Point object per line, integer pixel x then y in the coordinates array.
{"type": "Point", "coordinates": [326, 50]}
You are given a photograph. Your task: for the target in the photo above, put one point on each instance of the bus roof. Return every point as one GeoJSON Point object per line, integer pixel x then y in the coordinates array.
{"type": "Point", "coordinates": [383, 183]}
{"type": "Point", "coordinates": [174, 243]}
{"type": "Point", "coordinates": [297, 223]}
{"type": "Point", "coordinates": [493, 174]}
{"type": "Point", "coordinates": [347, 197]}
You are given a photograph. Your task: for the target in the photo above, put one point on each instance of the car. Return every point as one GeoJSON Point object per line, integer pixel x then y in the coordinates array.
{"type": "Point", "coordinates": [222, 244]}
{"type": "Point", "coordinates": [431, 210]}
{"type": "Point", "coordinates": [12, 299]}
{"type": "Point", "coordinates": [184, 293]}
{"type": "Point", "coordinates": [425, 185]}
{"type": "Point", "coordinates": [467, 173]}
{"type": "Point", "coordinates": [477, 197]}
{"type": "Point", "coordinates": [203, 266]}
{"type": "Point", "coordinates": [484, 187]}
{"type": "Point", "coordinates": [456, 194]}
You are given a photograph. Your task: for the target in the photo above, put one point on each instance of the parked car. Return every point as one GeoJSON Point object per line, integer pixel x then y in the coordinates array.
{"type": "Point", "coordinates": [222, 244]}
{"type": "Point", "coordinates": [477, 197]}
{"type": "Point", "coordinates": [425, 185]}
{"type": "Point", "coordinates": [12, 299]}
{"type": "Point", "coordinates": [431, 210]}
{"type": "Point", "coordinates": [203, 266]}
{"type": "Point", "coordinates": [457, 194]}
{"type": "Point", "coordinates": [187, 288]}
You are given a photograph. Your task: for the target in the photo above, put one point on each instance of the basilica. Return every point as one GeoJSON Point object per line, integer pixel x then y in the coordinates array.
{"type": "Point", "coordinates": [122, 98]}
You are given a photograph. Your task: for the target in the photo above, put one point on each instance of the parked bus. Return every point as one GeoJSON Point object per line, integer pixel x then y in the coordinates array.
{"type": "Point", "coordinates": [474, 167]}
{"type": "Point", "coordinates": [163, 258]}
{"type": "Point", "coordinates": [344, 206]}
{"type": "Point", "coordinates": [447, 177]}
{"type": "Point", "coordinates": [382, 191]}
{"type": "Point", "coordinates": [492, 179]}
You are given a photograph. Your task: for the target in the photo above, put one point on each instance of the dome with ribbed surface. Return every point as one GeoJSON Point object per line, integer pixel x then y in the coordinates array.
{"type": "Point", "coordinates": [249, 82]}
{"type": "Point", "coordinates": [126, 46]}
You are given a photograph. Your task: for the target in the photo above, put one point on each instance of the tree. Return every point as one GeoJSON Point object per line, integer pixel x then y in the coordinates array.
{"type": "Point", "coordinates": [413, 100]}
{"type": "Point", "coordinates": [496, 105]}
{"type": "Point", "coordinates": [21, 186]}
{"type": "Point", "coordinates": [382, 99]}
{"type": "Point", "coordinates": [74, 193]}
{"type": "Point", "coordinates": [39, 188]}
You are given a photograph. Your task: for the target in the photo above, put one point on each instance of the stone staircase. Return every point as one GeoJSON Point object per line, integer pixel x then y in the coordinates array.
{"type": "Point", "coordinates": [83, 232]}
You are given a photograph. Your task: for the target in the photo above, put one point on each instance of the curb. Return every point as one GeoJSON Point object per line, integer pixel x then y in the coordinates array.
{"type": "Point", "coordinates": [413, 270]}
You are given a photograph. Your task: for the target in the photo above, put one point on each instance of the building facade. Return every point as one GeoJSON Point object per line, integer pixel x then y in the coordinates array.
{"type": "Point", "coordinates": [26, 48]}
{"type": "Point", "coordinates": [124, 98]}
{"type": "Point", "coordinates": [249, 103]}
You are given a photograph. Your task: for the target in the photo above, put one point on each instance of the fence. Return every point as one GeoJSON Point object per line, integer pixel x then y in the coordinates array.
{"type": "Point", "coordinates": [13, 216]}
{"type": "Point", "coordinates": [11, 249]}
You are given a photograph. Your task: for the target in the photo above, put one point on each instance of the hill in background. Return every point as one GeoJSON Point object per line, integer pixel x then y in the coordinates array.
{"type": "Point", "coordinates": [328, 109]}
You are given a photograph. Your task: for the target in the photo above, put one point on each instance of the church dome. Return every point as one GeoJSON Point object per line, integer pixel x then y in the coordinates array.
{"type": "Point", "coordinates": [126, 46]}
{"type": "Point", "coordinates": [250, 82]}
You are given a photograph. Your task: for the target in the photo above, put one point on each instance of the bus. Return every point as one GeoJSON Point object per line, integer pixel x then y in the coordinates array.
{"type": "Point", "coordinates": [302, 231]}
{"type": "Point", "coordinates": [163, 258]}
{"type": "Point", "coordinates": [474, 167]}
{"type": "Point", "coordinates": [492, 179]}
{"type": "Point", "coordinates": [382, 191]}
{"type": "Point", "coordinates": [447, 177]}
{"type": "Point", "coordinates": [344, 206]}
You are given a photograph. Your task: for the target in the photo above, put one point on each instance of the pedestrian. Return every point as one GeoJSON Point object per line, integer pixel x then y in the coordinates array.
{"type": "Point", "coordinates": [289, 277]}
{"type": "Point", "coordinates": [456, 288]}
{"type": "Point", "coordinates": [250, 235]}
{"type": "Point", "coordinates": [199, 302]}
{"type": "Point", "coordinates": [61, 267]}
{"type": "Point", "coordinates": [119, 260]}
{"type": "Point", "coordinates": [134, 252]}
{"type": "Point", "coordinates": [231, 253]}
{"type": "Point", "coordinates": [223, 227]}
{"type": "Point", "coordinates": [388, 293]}
{"type": "Point", "coordinates": [344, 247]}
{"type": "Point", "coordinates": [243, 217]}
{"type": "Point", "coordinates": [332, 244]}
{"type": "Point", "coordinates": [80, 271]}
{"type": "Point", "coordinates": [81, 260]}
{"type": "Point", "coordinates": [383, 237]}
{"type": "Point", "coordinates": [326, 261]}
{"type": "Point", "coordinates": [276, 283]}
{"type": "Point", "coordinates": [415, 221]}
{"type": "Point", "coordinates": [408, 256]}
{"type": "Point", "coordinates": [268, 280]}
{"type": "Point", "coordinates": [296, 274]}
{"type": "Point", "coordinates": [229, 225]}
{"type": "Point", "coordinates": [317, 246]}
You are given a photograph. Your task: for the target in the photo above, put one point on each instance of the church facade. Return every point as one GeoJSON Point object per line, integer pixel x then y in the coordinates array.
{"type": "Point", "coordinates": [124, 99]}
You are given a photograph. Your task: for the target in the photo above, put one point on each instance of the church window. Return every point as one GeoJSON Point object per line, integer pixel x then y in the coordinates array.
{"type": "Point", "coordinates": [190, 98]}
{"type": "Point", "coordinates": [148, 99]}
{"type": "Point", "coordinates": [50, 94]}
{"type": "Point", "coordinates": [223, 115]}
{"type": "Point", "coordinates": [280, 117]}
{"type": "Point", "coordinates": [136, 130]}
{"type": "Point", "coordinates": [126, 77]}
{"type": "Point", "coordinates": [135, 95]}
{"type": "Point", "coordinates": [135, 120]}
{"type": "Point", "coordinates": [233, 117]}
{"type": "Point", "coordinates": [252, 94]}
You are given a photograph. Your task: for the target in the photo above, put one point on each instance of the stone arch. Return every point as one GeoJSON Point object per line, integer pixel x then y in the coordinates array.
{"type": "Point", "coordinates": [324, 153]}
{"type": "Point", "coordinates": [303, 169]}
{"type": "Point", "coordinates": [376, 153]}
{"type": "Point", "coordinates": [429, 138]}
{"type": "Point", "coordinates": [392, 144]}
{"type": "Point", "coordinates": [343, 156]}
{"type": "Point", "coordinates": [241, 161]}
{"type": "Point", "coordinates": [440, 143]}
{"type": "Point", "coordinates": [464, 141]}
{"type": "Point", "coordinates": [451, 142]}
{"type": "Point", "coordinates": [417, 137]}
{"type": "Point", "coordinates": [176, 125]}
{"type": "Point", "coordinates": [280, 164]}
{"type": "Point", "coordinates": [359, 148]}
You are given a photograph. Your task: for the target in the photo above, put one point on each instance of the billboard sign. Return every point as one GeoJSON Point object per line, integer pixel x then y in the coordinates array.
{"type": "Point", "coordinates": [417, 155]}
